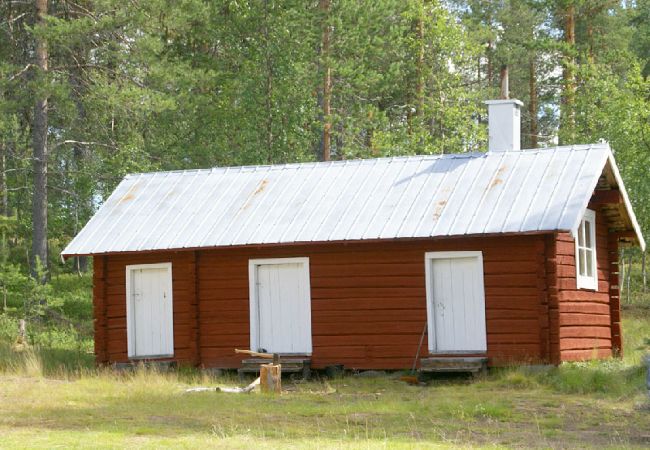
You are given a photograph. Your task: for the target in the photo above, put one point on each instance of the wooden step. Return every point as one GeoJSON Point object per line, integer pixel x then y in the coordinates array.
{"type": "Point", "coordinates": [289, 365]}
{"type": "Point", "coordinates": [453, 364]}
{"type": "Point", "coordinates": [162, 366]}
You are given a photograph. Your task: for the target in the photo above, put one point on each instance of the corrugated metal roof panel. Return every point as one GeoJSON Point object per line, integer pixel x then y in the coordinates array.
{"type": "Point", "coordinates": [388, 198]}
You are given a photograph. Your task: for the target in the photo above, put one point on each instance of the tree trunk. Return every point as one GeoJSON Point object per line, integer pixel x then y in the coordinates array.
{"type": "Point", "coordinates": [490, 67]}
{"type": "Point", "coordinates": [269, 85]}
{"type": "Point", "coordinates": [532, 102]}
{"type": "Point", "coordinates": [590, 37]}
{"type": "Point", "coordinates": [83, 198]}
{"type": "Point", "coordinates": [568, 74]}
{"type": "Point", "coordinates": [643, 272]}
{"type": "Point", "coordinates": [4, 206]}
{"type": "Point", "coordinates": [39, 146]}
{"type": "Point", "coordinates": [415, 102]}
{"type": "Point", "coordinates": [504, 83]}
{"type": "Point", "coordinates": [4, 211]}
{"type": "Point", "coordinates": [324, 6]}
{"type": "Point", "coordinates": [419, 68]}
{"type": "Point", "coordinates": [629, 277]}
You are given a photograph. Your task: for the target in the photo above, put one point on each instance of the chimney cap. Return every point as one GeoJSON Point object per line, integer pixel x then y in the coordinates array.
{"type": "Point", "coordinates": [504, 101]}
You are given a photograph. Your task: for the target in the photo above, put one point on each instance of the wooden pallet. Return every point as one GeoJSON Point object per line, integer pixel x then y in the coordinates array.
{"type": "Point", "coordinates": [289, 365]}
{"type": "Point", "coordinates": [453, 364]}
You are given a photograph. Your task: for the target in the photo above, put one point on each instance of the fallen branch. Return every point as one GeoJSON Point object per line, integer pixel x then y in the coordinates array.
{"type": "Point", "coordinates": [237, 390]}
{"type": "Point", "coordinates": [199, 389]}
{"type": "Point", "coordinates": [245, 390]}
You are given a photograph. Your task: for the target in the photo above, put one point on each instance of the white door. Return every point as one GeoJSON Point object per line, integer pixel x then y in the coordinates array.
{"type": "Point", "coordinates": [150, 310]}
{"type": "Point", "coordinates": [281, 306]}
{"type": "Point", "coordinates": [456, 302]}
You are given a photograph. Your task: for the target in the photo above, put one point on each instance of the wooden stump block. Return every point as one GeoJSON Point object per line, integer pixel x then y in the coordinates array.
{"type": "Point", "coordinates": [271, 378]}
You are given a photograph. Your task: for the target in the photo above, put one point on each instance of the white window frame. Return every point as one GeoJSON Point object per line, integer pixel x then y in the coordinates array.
{"type": "Point", "coordinates": [130, 321]}
{"type": "Point", "coordinates": [254, 299]}
{"type": "Point", "coordinates": [585, 281]}
{"type": "Point", "coordinates": [428, 272]}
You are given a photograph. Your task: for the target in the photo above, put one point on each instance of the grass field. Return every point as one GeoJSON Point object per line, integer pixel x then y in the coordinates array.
{"type": "Point", "coordinates": [596, 404]}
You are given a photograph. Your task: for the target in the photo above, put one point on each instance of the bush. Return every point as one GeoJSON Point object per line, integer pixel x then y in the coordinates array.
{"type": "Point", "coordinates": [611, 376]}
{"type": "Point", "coordinates": [59, 328]}
{"type": "Point", "coordinates": [72, 296]}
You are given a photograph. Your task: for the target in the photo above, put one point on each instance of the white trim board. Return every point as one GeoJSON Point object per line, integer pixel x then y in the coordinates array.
{"type": "Point", "coordinates": [130, 320]}
{"type": "Point", "coordinates": [254, 308]}
{"type": "Point", "coordinates": [584, 281]}
{"type": "Point", "coordinates": [429, 257]}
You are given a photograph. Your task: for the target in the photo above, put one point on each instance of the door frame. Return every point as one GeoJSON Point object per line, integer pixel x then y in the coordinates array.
{"type": "Point", "coordinates": [429, 257]}
{"type": "Point", "coordinates": [130, 320]}
{"type": "Point", "coordinates": [253, 296]}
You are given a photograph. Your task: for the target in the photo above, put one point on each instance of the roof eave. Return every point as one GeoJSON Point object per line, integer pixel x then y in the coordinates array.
{"type": "Point", "coordinates": [626, 201]}
{"type": "Point", "coordinates": [609, 159]}
{"type": "Point", "coordinates": [66, 256]}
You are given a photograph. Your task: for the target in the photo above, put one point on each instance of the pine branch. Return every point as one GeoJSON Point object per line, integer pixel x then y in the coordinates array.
{"type": "Point", "coordinates": [21, 72]}
{"type": "Point", "coordinates": [84, 143]}
{"type": "Point", "coordinates": [14, 19]}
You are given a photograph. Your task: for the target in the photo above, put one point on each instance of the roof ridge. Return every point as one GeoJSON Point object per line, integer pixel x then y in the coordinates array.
{"type": "Point", "coordinates": [242, 168]}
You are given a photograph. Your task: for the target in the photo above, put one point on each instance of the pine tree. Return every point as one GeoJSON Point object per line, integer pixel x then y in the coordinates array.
{"type": "Point", "coordinates": [40, 151]}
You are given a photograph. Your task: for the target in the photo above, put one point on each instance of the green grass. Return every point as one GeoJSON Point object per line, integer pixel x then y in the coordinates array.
{"type": "Point", "coordinates": [52, 399]}
{"type": "Point", "coordinates": [146, 408]}
{"type": "Point", "coordinates": [637, 296]}
{"type": "Point", "coordinates": [616, 377]}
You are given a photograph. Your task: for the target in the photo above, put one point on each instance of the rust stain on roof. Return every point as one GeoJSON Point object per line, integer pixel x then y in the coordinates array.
{"type": "Point", "coordinates": [497, 180]}
{"type": "Point", "coordinates": [130, 195]}
{"type": "Point", "coordinates": [127, 197]}
{"type": "Point", "coordinates": [260, 188]}
{"type": "Point", "coordinates": [440, 206]}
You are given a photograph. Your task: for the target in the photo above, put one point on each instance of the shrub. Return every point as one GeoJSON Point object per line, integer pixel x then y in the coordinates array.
{"type": "Point", "coordinates": [612, 376]}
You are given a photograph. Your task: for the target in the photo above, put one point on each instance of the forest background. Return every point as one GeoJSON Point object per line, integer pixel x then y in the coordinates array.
{"type": "Point", "coordinates": [93, 90]}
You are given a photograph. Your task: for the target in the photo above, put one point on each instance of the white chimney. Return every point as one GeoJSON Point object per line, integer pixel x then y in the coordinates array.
{"type": "Point", "coordinates": [504, 124]}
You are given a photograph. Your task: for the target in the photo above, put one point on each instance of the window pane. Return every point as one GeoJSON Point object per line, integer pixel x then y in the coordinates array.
{"type": "Point", "coordinates": [589, 263]}
{"type": "Point", "coordinates": [588, 234]}
{"type": "Point", "coordinates": [581, 234]}
{"type": "Point", "coordinates": [581, 262]}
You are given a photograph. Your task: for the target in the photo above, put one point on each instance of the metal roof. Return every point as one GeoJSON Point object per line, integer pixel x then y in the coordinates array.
{"type": "Point", "coordinates": [386, 198]}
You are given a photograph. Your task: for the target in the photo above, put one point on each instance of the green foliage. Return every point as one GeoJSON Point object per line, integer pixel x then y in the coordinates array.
{"type": "Point", "coordinates": [59, 323]}
{"type": "Point", "coordinates": [158, 85]}
{"type": "Point", "coordinates": [615, 377]}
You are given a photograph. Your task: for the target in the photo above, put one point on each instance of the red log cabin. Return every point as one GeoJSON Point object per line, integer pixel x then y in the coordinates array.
{"type": "Point", "coordinates": [508, 256]}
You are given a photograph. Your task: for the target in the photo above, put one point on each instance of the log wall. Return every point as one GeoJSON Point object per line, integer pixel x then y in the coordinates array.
{"type": "Point", "coordinates": [368, 301]}
{"type": "Point", "coordinates": [585, 316]}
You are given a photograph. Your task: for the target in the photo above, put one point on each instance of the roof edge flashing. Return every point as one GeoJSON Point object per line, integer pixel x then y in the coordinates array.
{"type": "Point", "coordinates": [626, 200]}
